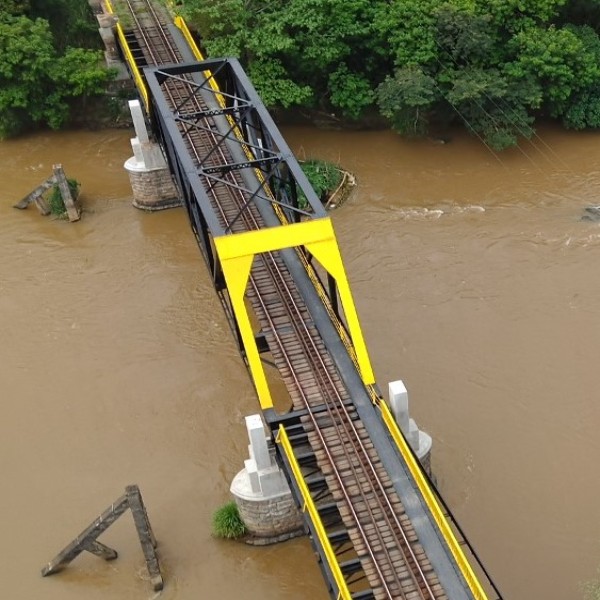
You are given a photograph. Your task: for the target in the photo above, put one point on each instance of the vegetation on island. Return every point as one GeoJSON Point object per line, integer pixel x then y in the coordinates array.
{"type": "Point", "coordinates": [227, 522]}
{"type": "Point", "coordinates": [323, 176]}
{"type": "Point", "coordinates": [51, 61]}
{"type": "Point", "coordinates": [494, 65]}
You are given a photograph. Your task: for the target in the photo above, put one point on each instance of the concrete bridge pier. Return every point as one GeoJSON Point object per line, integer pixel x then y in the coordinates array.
{"type": "Point", "coordinates": [262, 493]}
{"type": "Point", "coordinates": [150, 177]}
{"type": "Point", "coordinates": [419, 441]}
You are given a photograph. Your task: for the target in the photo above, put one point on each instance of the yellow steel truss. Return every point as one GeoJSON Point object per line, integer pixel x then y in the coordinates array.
{"type": "Point", "coordinates": [236, 253]}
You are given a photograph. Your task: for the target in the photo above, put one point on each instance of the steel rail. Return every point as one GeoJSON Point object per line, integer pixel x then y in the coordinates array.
{"type": "Point", "coordinates": [337, 406]}
{"type": "Point", "coordinates": [321, 371]}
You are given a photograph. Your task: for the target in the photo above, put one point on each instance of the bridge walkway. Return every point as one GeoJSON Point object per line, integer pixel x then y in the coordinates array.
{"type": "Point", "coordinates": [373, 516]}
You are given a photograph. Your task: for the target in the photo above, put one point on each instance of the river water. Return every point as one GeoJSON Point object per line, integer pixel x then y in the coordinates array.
{"type": "Point", "coordinates": [476, 284]}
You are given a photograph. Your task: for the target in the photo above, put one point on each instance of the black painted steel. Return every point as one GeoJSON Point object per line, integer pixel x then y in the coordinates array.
{"type": "Point", "coordinates": [249, 127]}
{"type": "Point", "coordinates": [245, 133]}
{"type": "Point", "coordinates": [272, 186]}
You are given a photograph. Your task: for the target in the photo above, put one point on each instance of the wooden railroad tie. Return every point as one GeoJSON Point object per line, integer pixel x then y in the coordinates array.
{"type": "Point", "coordinates": [87, 539]}
{"type": "Point", "coordinates": [36, 196]}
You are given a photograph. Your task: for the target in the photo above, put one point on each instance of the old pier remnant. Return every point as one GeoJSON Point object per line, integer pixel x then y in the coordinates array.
{"type": "Point", "coordinates": [36, 196]}
{"type": "Point", "coordinates": [87, 539]}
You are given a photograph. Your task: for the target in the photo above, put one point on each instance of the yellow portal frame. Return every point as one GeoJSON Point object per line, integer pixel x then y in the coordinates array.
{"type": "Point", "coordinates": [236, 253]}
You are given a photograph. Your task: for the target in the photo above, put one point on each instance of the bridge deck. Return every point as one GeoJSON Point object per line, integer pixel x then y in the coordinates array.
{"type": "Point", "coordinates": [367, 504]}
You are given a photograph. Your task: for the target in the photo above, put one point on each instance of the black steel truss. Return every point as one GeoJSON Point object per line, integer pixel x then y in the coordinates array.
{"type": "Point", "coordinates": [236, 119]}
{"type": "Point", "coordinates": [218, 99]}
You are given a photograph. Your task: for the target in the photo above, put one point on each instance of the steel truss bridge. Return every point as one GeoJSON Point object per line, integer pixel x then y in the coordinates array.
{"type": "Point", "coordinates": [379, 526]}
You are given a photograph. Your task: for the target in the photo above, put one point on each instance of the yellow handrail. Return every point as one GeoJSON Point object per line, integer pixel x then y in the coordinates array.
{"type": "Point", "coordinates": [137, 76]}
{"type": "Point", "coordinates": [187, 34]}
{"type": "Point", "coordinates": [432, 503]}
{"type": "Point", "coordinates": [389, 420]}
{"type": "Point", "coordinates": [309, 505]}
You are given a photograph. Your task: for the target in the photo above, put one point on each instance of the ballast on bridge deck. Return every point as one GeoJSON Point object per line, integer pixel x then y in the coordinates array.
{"type": "Point", "coordinates": [278, 271]}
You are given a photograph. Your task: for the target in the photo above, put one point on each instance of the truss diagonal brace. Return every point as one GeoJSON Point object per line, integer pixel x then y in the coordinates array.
{"type": "Point", "coordinates": [211, 112]}
{"type": "Point", "coordinates": [227, 167]}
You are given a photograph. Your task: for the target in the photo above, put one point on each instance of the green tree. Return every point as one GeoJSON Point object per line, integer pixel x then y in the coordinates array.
{"type": "Point", "coordinates": [27, 51]}
{"type": "Point", "coordinates": [512, 16]}
{"type": "Point", "coordinates": [495, 65]}
{"type": "Point", "coordinates": [298, 52]}
{"type": "Point", "coordinates": [473, 79]}
{"type": "Point", "coordinates": [581, 12]}
{"type": "Point", "coordinates": [583, 108]}
{"type": "Point", "coordinates": [13, 8]}
{"type": "Point", "coordinates": [557, 59]}
{"type": "Point", "coordinates": [407, 100]}
{"type": "Point", "coordinates": [71, 22]}
{"type": "Point", "coordinates": [407, 29]}
{"type": "Point", "coordinates": [35, 82]}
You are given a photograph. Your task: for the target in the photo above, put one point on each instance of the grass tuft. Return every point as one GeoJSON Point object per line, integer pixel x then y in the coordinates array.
{"type": "Point", "coordinates": [227, 522]}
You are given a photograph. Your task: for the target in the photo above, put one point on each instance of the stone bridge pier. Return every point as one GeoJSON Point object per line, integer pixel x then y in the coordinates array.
{"type": "Point", "coordinates": [150, 177]}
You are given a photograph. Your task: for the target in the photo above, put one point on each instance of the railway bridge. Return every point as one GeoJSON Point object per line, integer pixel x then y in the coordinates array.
{"type": "Point", "coordinates": [379, 526]}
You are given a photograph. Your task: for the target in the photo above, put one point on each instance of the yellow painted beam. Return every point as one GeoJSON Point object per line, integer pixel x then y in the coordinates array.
{"type": "Point", "coordinates": [137, 76]}
{"type": "Point", "coordinates": [275, 238]}
{"type": "Point", "coordinates": [432, 503]}
{"type": "Point", "coordinates": [187, 34]}
{"type": "Point", "coordinates": [318, 237]}
{"type": "Point", "coordinates": [237, 272]}
{"type": "Point", "coordinates": [328, 254]}
{"type": "Point", "coordinates": [310, 507]}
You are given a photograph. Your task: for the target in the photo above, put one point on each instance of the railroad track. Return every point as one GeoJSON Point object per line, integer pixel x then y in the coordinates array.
{"type": "Point", "coordinates": [353, 492]}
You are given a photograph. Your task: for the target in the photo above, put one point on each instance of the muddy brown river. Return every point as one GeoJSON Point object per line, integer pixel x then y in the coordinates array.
{"type": "Point", "coordinates": [476, 282]}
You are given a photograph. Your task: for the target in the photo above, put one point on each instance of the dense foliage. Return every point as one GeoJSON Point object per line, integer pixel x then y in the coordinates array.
{"type": "Point", "coordinates": [495, 65]}
{"type": "Point", "coordinates": [55, 199]}
{"type": "Point", "coordinates": [49, 59]}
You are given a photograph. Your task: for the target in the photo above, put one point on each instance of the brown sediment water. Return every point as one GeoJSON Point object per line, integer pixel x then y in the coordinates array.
{"type": "Point", "coordinates": [475, 281]}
